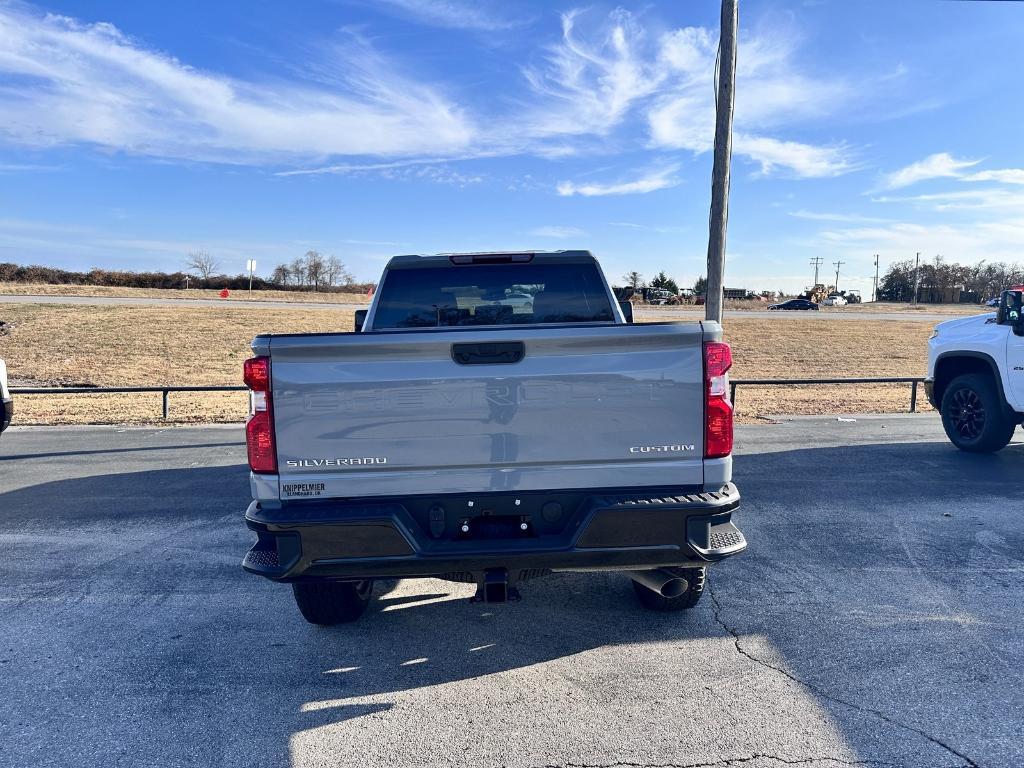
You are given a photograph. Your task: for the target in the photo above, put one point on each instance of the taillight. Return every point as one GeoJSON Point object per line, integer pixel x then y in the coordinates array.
{"type": "Point", "coordinates": [259, 429]}
{"type": "Point", "coordinates": [256, 374]}
{"type": "Point", "coordinates": [717, 408]}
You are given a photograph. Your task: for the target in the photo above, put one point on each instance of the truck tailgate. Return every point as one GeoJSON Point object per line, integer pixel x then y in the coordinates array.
{"type": "Point", "coordinates": [394, 414]}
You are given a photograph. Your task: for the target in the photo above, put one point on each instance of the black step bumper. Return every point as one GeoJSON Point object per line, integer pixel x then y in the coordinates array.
{"type": "Point", "coordinates": [610, 530]}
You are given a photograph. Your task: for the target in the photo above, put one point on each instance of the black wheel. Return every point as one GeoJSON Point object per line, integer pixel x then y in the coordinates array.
{"type": "Point", "coordinates": [695, 578]}
{"type": "Point", "coordinates": [332, 602]}
{"type": "Point", "coordinates": [974, 415]}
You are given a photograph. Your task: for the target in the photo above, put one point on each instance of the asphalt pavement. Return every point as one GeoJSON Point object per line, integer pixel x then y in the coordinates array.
{"type": "Point", "coordinates": [877, 619]}
{"type": "Point", "coordinates": [647, 313]}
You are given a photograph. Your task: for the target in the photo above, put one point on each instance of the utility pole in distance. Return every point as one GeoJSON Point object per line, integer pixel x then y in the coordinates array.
{"type": "Point", "coordinates": [874, 291]}
{"type": "Point", "coordinates": [917, 266]}
{"type": "Point", "coordinates": [816, 262]}
{"type": "Point", "coordinates": [838, 265]}
{"type": "Point", "coordinates": [725, 102]}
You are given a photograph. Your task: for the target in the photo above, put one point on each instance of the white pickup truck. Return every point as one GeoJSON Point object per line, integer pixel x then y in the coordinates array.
{"type": "Point", "coordinates": [6, 403]}
{"type": "Point", "coordinates": [976, 375]}
{"type": "Point", "coordinates": [495, 417]}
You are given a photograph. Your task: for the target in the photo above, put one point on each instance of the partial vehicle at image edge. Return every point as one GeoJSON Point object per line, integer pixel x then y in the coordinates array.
{"type": "Point", "coordinates": [6, 402]}
{"type": "Point", "coordinates": [465, 433]}
{"type": "Point", "coordinates": [976, 375]}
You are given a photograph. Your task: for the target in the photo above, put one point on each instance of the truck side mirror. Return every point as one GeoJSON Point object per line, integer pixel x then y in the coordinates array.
{"type": "Point", "coordinates": [360, 319]}
{"type": "Point", "coordinates": [627, 310]}
{"type": "Point", "coordinates": [1018, 326]}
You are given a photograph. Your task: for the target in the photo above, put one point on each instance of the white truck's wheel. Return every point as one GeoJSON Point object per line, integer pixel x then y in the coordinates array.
{"type": "Point", "coordinates": [974, 416]}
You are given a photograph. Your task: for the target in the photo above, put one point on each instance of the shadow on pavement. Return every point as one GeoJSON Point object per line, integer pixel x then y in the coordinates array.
{"type": "Point", "coordinates": [887, 578]}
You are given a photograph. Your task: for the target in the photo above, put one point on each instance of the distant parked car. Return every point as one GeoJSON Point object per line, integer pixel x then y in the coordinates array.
{"type": "Point", "coordinates": [835, 300]}
{"type": "Point", "coordinates": [6, 403]}
{"type": "Point", "coordinates": [993, 302]}
{"type": "Point", "coordinates": [795, 304]}
{"type": "Point", "coordinates": [522, 301]}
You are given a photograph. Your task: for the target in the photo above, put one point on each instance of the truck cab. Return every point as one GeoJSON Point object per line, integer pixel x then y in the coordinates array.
{"type": "Point", "coordinates": [976, 375]}
{"type": "Point", "coordinates": [494, 418]}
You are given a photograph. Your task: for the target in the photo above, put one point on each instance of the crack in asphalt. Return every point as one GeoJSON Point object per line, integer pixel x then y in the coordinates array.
{"type": "Point", "coordinates": [818, 691]}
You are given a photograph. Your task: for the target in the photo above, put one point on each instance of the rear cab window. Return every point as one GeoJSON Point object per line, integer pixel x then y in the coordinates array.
{"type": "Point", "coordinates": [443, 294]}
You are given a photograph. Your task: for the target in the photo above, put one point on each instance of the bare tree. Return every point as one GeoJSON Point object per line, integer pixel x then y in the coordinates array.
{"type": "Point", "coordinates": [634, 280]}
{"type": "Point", "coordinates": [335, 272]}
{"type": "Point", "coordinates": [298, 270]}
{"type": "Point", "coordinates": [316, 268]}
{"type": "Point", "coordinates": [203, 264]}
{"type": "Point", "coordinates": [281, 274]}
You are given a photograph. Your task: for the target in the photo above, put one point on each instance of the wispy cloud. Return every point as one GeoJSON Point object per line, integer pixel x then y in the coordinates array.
{"type": "Point", "coordinates": [1003, 175]}
{"type": "Point", "coordinates": [590, 80]}
{"type": "Point", "coordinates": [27, 168]}
{"type": "Point", "coordinates": [660, 229]}
{"type": "Point", "coordinates": [345, 169]}
{"type": "Point", "coordinates": [802, 160]}
{"type": "Point", "coordinates": [774, 94]}
{"type": "Point", "coordinates": [89, 83]}
{"type": "Point", "coordinates": [557, 232]}
{"type": "Point", "coordinates": [938, 166]}
{"type": "Point", "coordinates": [991, 198]}
{"type": "Point", "coordinates": [355, 110]}
{"type": "Point", "coordinates": [847, 217]}
{"type": "Point", "coordinates": [476, 15]}
{"type": "Point", "coordinates": [649, 182]}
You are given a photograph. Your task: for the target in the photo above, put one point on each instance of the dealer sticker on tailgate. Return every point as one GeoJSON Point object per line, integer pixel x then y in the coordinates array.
{"type": "Point", "coordinates": [303, 489]}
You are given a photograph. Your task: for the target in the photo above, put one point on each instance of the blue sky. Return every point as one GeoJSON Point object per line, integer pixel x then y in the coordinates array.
{"type": "Point", "coordinates": [132, 133]}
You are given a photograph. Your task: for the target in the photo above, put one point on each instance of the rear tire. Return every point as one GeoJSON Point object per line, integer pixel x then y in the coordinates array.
{"type": "Point", "coordinates": [652, 601]}
{"type": "Point", "coordinates": [327, 603]}
{"type": "Point", "coordinates": [974, 415]}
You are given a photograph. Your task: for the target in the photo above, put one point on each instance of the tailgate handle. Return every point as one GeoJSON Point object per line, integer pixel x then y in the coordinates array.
{"type": "Point", "coordinates": [494, 353]}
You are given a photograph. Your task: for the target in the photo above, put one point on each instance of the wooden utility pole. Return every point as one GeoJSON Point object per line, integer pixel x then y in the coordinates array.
{"type": "Point", "coordinates": [725, 101]}
{"type": "Point", "coordinates": [874, 291]}
{"type": "Point", "coordinates": [838, 264]}
{"type": "Point", "coordinates": [917, 266]}
{"type": "Point", "coordinates": [816, 262]}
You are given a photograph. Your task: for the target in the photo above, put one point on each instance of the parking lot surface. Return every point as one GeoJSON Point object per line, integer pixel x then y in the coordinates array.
{"type": "Point", "coordinates": [877, 619]}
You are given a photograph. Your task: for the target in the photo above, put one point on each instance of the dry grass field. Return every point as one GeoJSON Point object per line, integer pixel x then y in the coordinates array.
{"type": "Point", "coordinates": [298, 297]}
{"type": "Point", "coordinates": [52, 345]}
{"type": "Point", "coordinates": [851, 309]}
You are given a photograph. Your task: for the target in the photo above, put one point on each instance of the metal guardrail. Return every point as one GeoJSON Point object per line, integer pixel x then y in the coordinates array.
{"type": "Point", "coordinates": [913, 381]}
{"type": "Point", "coordinates": [164, 391]}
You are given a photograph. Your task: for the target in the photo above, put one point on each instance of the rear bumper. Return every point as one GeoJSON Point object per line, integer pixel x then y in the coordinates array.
{"type": "Point", "coordinates": [6, 413]}
{"type": "Point", "coordinates": [610, 530]}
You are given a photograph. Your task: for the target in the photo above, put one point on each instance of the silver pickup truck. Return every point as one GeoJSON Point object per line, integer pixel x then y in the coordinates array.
{"type": "Point", "coordinates": [492, 419]}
